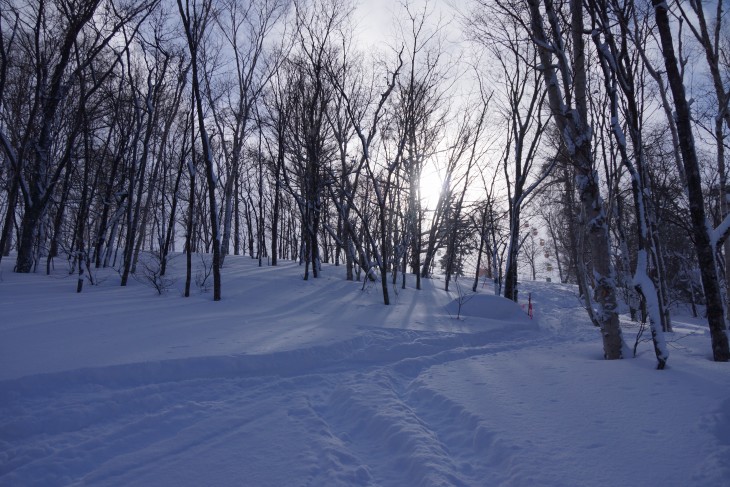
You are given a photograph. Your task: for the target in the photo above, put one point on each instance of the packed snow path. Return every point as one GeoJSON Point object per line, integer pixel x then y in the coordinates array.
{"type": "Point", "coordinates": [415, 404]}
{"type": "Point", "coordinates": [355, 413]}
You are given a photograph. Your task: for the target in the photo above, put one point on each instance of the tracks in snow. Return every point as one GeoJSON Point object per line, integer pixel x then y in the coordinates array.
{"type": "Point", "coordinates": [410, 434]}
{"type": "Point", "coordinates": [352, 413]}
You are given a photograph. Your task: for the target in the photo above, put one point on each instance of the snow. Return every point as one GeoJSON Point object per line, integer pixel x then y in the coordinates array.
{"type": "Point", "coordinates": [292, 382]}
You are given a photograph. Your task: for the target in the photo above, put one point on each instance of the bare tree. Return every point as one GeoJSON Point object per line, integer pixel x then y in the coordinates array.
{"type": "Point", "coordinates": [705, 244]}
{"type": "Point", "coordinates": [470, 143]}
{"type": "Point", "coordinates": [709, 35]}
{"type": "Point", "coordinates": [54, 28]}
{"type": "Point", "coordinates": [421, 113]}
{"type": "Point", "coordinates": [523, 105]}
{"type": "Point", "coordinates": [564, 71]}
{"type": "Point", "coordinates": [147, 107]}
{"type": "Point", "coordinates": [196, 15]}
{"type": "Point", "coordinates": [619, 73]}
{"type": "Point", "coordinates": [246, 26]}
{"type": "Point", "coordinates": [365, 113]}
{"type": "Point", "coordinates": [311, 147]}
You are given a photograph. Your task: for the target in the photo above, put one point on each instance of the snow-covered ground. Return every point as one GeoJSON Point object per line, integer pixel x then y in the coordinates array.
{"type": "Point", "coordinates": [291, 382]}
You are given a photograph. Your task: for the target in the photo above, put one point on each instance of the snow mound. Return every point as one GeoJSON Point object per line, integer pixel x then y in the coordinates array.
{"type": "Point", "coordinates": [490, 307]}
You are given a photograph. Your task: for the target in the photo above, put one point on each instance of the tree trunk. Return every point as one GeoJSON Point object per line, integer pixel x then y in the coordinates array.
{"type": "Point", "coordinates": [28, 230]}
{"type": "Point", "coordinates": [577, 138]}
{"type": "Point", "coordinates": [165, 250]}
{"type": "Point", "coordinates": [276, 209]}
{"type": "Point", "coordinates": [5, 239]}
{"type": "Point", "coordinates": [191, 215]}
{"type": "Point", "coordinates": [702, 240]}
{"type": "Point", "coordinates": [510, 271]}
{"type": "Point", "coordinates": [58, 221]}
{"type": "Point", "coordinates": [199, 22]}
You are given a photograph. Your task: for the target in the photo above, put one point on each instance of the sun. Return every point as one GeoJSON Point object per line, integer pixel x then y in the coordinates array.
{"type": "Point", "coordinates": [431, 185]}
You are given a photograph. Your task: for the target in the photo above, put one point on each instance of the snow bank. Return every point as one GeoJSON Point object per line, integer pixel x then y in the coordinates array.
{"type": "Point", "coordinates": [489, 307]}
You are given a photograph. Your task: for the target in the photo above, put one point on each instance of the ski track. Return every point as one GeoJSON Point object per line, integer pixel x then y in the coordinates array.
{"type": "Point", "coordinates": [353, 399]}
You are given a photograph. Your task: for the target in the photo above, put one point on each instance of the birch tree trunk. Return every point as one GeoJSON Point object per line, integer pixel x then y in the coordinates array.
{"type": "Point", "coordinates": [622, 75]}
{"type": "Point", "coordinates": [571, 118]}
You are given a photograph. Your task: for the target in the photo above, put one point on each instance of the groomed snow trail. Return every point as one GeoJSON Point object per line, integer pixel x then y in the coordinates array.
{"type": "Point", "coordinates": [351, 413]}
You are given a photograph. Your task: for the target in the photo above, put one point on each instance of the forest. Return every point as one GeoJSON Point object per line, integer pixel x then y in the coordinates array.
{"type": "Point", "coordinates": [467, 141]}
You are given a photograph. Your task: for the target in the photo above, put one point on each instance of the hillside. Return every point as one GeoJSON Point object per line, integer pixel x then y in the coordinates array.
{"type": "Point", "coordinates": [292, 382]}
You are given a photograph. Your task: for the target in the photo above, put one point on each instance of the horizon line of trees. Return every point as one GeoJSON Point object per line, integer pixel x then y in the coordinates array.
{"type": "Point", "coordinates": [264, 128]}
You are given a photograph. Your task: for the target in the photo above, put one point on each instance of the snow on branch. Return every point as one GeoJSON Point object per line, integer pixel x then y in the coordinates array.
{"type": "Point", "coordinates": [720, 233]}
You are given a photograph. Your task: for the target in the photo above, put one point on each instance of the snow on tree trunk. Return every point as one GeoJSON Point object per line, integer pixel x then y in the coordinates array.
{"type": "Point", "coordinates": [576, 133]}
{"type": "Point", "coordinates": [608, 51]}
